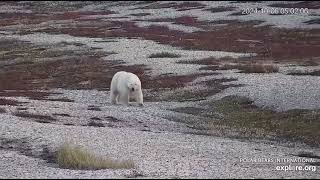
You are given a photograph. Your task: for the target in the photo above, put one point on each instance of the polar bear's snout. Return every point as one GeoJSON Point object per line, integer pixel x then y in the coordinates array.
{"type": "Point", "coordinates": [132, 87]}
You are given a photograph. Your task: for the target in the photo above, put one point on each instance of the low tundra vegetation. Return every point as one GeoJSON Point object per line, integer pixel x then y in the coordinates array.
{"type": "Point", "coordinates": [236, 116]}
{"type": "Point", "coordinates": [164, 55]}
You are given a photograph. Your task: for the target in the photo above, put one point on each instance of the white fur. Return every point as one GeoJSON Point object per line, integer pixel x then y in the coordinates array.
{"type": "Point", "coordinates": [121, 88]}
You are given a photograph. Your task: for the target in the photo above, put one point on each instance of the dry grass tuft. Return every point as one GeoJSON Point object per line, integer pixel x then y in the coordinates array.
{"type": "Point", "coordinates": [75, 158]}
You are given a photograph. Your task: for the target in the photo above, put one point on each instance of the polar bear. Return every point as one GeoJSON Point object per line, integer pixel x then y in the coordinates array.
{"type": "Point", "coordinates": [125, 85]}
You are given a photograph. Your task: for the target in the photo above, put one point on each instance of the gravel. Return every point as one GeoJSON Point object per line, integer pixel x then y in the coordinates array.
{"type": "Point", "coordinates": [134, 51]}
{"type": "Point", "coordinates": [13, 9]}
{"type": "Point", "coordinates": [166, 150]}
{"type": "Point", "coordinates": [161, 155]}
{"type": "Point", "coordinates": [159, 146]}
{"type": "Point", "coordinates": [152, 117]}
{"type": "Point", "coordinates": [276, 91]}
{"type": "Point", "coordinates": [289, 20]}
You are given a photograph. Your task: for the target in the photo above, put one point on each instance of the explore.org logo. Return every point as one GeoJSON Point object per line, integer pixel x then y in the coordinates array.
{"type": "Point", "coordinates": [296, 168]}
{"type": "Point", "coordinates": [281, 163]}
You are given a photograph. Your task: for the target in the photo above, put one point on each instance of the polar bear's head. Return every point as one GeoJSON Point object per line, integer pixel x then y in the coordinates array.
{"type": "Point", "coordinates": [133, 83]}
{"type": "Point", "coordinates": [134, 86]}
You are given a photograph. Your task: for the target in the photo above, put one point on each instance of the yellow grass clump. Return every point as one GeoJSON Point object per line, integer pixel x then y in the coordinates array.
{"type": "Point", "coordinates": [71, 157]}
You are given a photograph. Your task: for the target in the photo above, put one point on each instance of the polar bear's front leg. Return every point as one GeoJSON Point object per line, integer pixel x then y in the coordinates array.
{"type": "Point", "coordinates": [114, 97]}
{"type": "Point", "coordinates": [139, 98]}
{"type": "Point", "coordinates": [124, 98]}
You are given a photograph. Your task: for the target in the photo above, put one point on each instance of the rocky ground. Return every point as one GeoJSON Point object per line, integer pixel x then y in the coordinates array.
{"type": "Point", "coordinates": [222, 88]}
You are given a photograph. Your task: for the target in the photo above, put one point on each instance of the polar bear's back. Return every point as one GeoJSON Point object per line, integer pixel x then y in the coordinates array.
{"type": "Point", "coordinates": [118, 75]}
{"type": "Point", "coordinates": [121, 75]}
{"type": "Point", "coordinates": [127, 75]}
{"type": "Point", "coordinates": [117, 78]}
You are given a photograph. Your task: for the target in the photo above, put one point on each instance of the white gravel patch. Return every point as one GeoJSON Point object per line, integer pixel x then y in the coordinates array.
{"type": "Point", "coordinates": [13, 9]}
{"type": "Point", "coordinates": [248, 40]}
{"type": "Point", "coordinates": [276, 91]}
{"type": "Point", "coordinates": [38, 27]}
{"type": "Point", "coordinates": [5, 33]}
